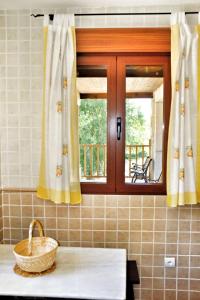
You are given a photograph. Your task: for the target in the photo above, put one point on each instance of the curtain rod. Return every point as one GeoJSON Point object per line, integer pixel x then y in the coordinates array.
{"type": "Point", "coordinates": [51, 16]}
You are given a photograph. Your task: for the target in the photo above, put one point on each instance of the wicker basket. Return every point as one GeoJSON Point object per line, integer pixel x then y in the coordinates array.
{"type": "Point", "coordinates": [36, 254]}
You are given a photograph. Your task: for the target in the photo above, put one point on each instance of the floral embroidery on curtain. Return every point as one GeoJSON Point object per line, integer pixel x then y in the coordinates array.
{"type": "Point", "coordinates": [59, 168]}
{"type": "Point", "coordinates": [183, 142]}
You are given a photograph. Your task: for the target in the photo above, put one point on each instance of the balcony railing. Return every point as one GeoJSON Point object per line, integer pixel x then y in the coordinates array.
{"type": "Point", "coordinates": [93, 158]}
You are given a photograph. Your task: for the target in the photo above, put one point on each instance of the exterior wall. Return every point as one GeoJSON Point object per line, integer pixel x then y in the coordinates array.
{"type": "Point", "coordinates": [143, 225]}
{"type": "Point", "coordinates": [157, 131]}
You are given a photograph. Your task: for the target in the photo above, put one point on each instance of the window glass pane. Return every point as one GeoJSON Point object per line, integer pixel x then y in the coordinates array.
{"type": "Point", "coordinates": [144, 124]}
{"type": "Point", "coordinates": [92, 88]}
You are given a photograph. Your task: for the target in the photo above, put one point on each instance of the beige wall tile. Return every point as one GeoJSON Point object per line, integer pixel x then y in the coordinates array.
{"type": "Point", "coordinates": [14, 199]}
{"type": "Point", "coordinates": [61, 223]}
{"type": "Point", "coordinates": [147, 225]}
{"type": "Point", "coordinates": [135, 213]}
{"type": "Point", "coordinates": [158, 271]}
{"type": "Point", "coordinates": [182, 284]}
{"type": "Point", "coordinates": [135, 225]}
{"type": "Point", "coordinates": [159, 225]}
{"type": "Point", "coordinates": [158, 283]}
{"type": "Point", "coordinates": [15, 211]}
{"type": "Point", "coordinates": [111, 236]}
{"type": "Point", "coordinates": [123, 224]}
{"type": "Point", "coordinates": [98, 236]}
{"type": "Point", "coordinates": [98, 224]}
{"type": "Point", "coordinates": [123, 213]}
{"type": "Point", "coordinates": [148, 213]}
{"type": "Point", "coordinates": [183, 272]}
{"type": "Point", "coordinates": [50, 211]}
{"type": "Point", "coordinates": [38, 211]}
{"type": "Point", "coordinates": [86, 212]}
{"type": "Point", "coordinates": [158, 294]}
{"type": "Point", "coordinates": [86, 235]}
{"type": "Point", "coordinates": [146, 272]}
{"type": "Point", "coordinates": [194, 261]}
{"type": "Point", "coordinates": [147, 248]}
{"type": "Point", "coordinates": [27, 211]}
{"type": "Point", "coordinates": [135, 201]}
{"type": "Point", "coordinates": [182, 295]}
{"type": "Point", "coordinates": [26, 198]}
{"type": "Point", "coordinates": [62, 212]}
{"type": "Point", "coordinates": [170, 284]}
{"type": "Point", "coordinates": [98, 212]}
{"type": "Point", "coordinates": [146, 294]}
{"type": "Point", "coordinates": [170, 295]}
{"type": "Point", "coordinates": [51, 223]}
{"type": "Point", "coordinates": [86, 224]}
{"type": "Point", "coordinates": [111, 213]}
{"type": "Point", "coordinates": [194, 295]}
{"type": "Point", "coordinates": [123, 236]}
{"type": "Point", "coordinates": [74, 235]}
{"type": "Point", "coordinates": [195, 273]}
{"type": "Point", "coordinates": [74, 224]}
{"type": "Point", "coordinates": [63, 235]}
{"type": "Point", "coordinates": [170, 273]}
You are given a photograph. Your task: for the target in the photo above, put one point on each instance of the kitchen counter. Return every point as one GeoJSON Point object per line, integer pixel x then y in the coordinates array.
{"type": "Point", "coordinates": [81, 273]}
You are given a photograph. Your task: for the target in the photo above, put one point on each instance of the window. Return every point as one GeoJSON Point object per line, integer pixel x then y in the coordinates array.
{"type": "Point", "coordinates": [124, 115]}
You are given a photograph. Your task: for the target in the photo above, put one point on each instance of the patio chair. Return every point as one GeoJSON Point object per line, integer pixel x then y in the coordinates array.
{"type": "Point", "coordinates": [159, 179]}
{"type": "Point", "coordinates": [140, 171]}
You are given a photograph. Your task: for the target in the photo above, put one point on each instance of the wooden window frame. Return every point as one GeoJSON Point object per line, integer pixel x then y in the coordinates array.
{"type": "Point", "coordinates": [110, 64]}
{"type": "Point", "coordinates": [164, 61]}
{"type": "Point", "coordinates": [96, 44]}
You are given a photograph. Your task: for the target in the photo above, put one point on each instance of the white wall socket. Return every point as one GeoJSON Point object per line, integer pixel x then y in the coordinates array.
{"type": "Point", "coordinates": [170, 262]}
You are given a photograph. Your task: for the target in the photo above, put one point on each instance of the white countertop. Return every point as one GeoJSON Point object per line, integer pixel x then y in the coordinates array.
{"type": "Point", "coordinates": [81, 273]}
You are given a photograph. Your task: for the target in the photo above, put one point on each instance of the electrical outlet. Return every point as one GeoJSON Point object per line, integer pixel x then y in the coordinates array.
{"type": "Point", "coordinates": [170, 262]}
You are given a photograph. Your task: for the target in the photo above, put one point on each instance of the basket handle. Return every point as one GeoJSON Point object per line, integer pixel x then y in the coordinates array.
{"type": "Point", "coordinates": [31, 227]}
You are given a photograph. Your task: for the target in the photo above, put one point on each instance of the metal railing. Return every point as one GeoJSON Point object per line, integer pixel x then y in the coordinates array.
{"type": "Point", "coordinates": [93, 159]}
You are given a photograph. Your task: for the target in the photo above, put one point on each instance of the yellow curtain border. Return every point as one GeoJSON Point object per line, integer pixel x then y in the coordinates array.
{"type": "Point", "coordinates": [198, 122]}
{"type": "Point", "coordinates": [182, 199]}
{"type": "Point", "coordinates": [42, 176]}
{"type": "Point", "coordinates": [70, 197]}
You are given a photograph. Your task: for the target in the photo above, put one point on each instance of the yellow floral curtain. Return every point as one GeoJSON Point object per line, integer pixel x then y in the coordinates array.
{"type": "Point", "coordinates": [59, 168]}
{"type": "Point", "coordinates": [183, 163]}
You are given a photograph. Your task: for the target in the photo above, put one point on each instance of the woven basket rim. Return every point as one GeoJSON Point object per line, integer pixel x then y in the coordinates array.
{"type": "Point", "coordinates": [35, 256]}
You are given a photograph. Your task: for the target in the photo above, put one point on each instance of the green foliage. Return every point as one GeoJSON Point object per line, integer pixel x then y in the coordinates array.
{"type": "Point", "coordinates": [135, 125]}
{"type": "Point", "coordinates": [93, 121]}
{"type": "Point", "coordinates": [93, 130]}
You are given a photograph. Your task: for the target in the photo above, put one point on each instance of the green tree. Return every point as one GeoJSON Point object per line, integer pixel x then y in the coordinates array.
{"type": "Point", "coordinates": [93, 129]}
{"type": "Point", "coordinates": [136, 133]}
{"type": "Point", "coordinates": [93, 121]}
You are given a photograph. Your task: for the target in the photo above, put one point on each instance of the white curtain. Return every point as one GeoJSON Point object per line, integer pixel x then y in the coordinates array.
{"type": "Point", "coordinates": [59, 169]}
{"type": "Point", "coordinates": [183, 141]}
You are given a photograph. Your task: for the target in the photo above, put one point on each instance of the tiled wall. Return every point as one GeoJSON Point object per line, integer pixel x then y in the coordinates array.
{"type": "Point", "coordinates": [143, 225]}
{"type": "Point", "coordinates": [21, 84]}
{"type": "Point", "coordinates": [21, 88]}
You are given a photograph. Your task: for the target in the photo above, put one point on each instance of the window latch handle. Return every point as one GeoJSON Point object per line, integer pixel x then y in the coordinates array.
{"type": "Point", "coordinates": [119, 128]}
